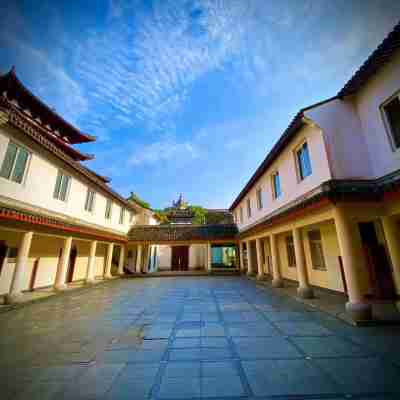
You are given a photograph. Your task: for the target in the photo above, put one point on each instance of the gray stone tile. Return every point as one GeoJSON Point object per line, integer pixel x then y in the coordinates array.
{"type": "Point", "coordinates": [361, 375]}
{"type": "Point", "coordinates": [286, 378]}
{"type": "Point", "coordinates": [328, 346]}
{"type": "Point", "coordinates": [177, 388]}
{"type": "Point", "coordinates": [223, 386]}
{"type": "Point", "coordinates": [300, 328]}
{"type": "Point", "coordinates": [185, 354]}
{"type": "Point", "coordinates": [287, 316]}
{"type": "Point", "coordinates": [251, 329]}
{"type": "Point", "coordinates": [268, 347]}
{"type": "Point", "coordinates": [181, 343]}
{"type": "Point", "coordinates": [182, 369]}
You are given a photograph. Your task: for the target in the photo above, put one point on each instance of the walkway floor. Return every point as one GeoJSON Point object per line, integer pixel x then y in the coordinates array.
{"type": "Point", "coordinates": [184, 338]}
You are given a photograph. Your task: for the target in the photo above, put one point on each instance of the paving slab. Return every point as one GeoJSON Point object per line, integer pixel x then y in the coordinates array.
{"type": "Point", "coordinates": [191, 338]}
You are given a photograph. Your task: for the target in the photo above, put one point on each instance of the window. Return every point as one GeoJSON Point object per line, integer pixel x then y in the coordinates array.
{"type": "Point", "coordinates": [291, 255]}
{"type": "Point", "coordinates": [392, 113]}
{"type": "Point", "coordinates": [89, 203]}
{"type": "Point", "coordinates": [63, 183]}
{"type": "Point", "coordinates": [248, 208]}
{"type": "Point", "coordinates": [14, 163]}
{"type": "Point", "coordinates": [259, 199]}
{"type": "Point", "coordinates": [303, 161]}
{"type": "Point", "coordinates": [108, 209]}
{"type": "Point", "coordinates": [276, 185]}
{"type": "Point", "coordinates": [317, 254]}
{"type": "Point", "coordinates": [241, 214]}
{"type": "Point", "coordinates": [122, 215]}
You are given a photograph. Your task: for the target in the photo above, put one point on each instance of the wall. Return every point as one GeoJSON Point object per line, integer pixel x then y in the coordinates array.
{"type": "Point", "coordinates": [291, 187]}
{"type": "Point", "coordinates": [197, 257]}
{"type": "Point", "coordinates": [345, 144]}
{"type": "Point", "coordinates": [164, 257]}
{"type": "Point", "coordinates": [367, 102]}
{"type": "Point", "coordinates": [38, 187]}
{"type": "Point", "coordinates": [82, 259]}
{"type": "Point", "coordinates": [100, 262]}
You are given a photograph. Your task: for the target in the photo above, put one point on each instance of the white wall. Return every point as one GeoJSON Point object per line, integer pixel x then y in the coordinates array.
{"type": "Point", "coordinates": [291, 187]}
{"type": "Point", "coordinates": [368, 103]}
{"type": "Point", "coordinates": [38, 187]}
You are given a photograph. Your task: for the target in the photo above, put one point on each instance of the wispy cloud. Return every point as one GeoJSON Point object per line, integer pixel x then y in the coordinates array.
{"type": "Point", "coordinates": [165, 150]}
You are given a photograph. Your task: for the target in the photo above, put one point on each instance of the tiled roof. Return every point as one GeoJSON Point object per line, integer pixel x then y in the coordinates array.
{"type": "Point", "coordinates": [375, 61]}
{"type": "Point", "coordinates": [177, 233]}
{"type": "Point", "coordinates": [15, 90]}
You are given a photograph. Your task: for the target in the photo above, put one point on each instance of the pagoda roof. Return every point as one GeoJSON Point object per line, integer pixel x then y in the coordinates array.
{"type": "Point", "coordinates": [14, 90]}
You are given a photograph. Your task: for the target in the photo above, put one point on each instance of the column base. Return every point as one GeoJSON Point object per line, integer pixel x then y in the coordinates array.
{"type": "Point", "coordinates": [277, 283]}
{"type": "Point", "coordinates": [305, 292]}
{"type": "Point", "coordinates": [90, 282]}
{"type": "Point", "coordinates": [261, 277]}
{"type": "Point", "coordinates": [61, 287]}
{"type": "Point", "coordinates": [108, 277]}
{"type": "Point", "coordinates": [13, 298]}
{"type": "Point", "coordinates": [250, 273]}
{"type": "Point", "coordinates": [359, 311]}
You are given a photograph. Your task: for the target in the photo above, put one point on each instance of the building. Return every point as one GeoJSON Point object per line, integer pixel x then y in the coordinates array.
{"type": "Point", "coordinates": [323, 208]}
{"type": "Point", "coordinates": [185, 242]}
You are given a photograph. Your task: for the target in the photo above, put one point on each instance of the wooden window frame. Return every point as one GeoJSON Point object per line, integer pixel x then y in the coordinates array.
{"type": "Point", "coordinates": [289, 243]}
{"type": "Point", "coordinates": [90, 204]}
{"type": "Point", "coordinates": [259, 198]}
{"type": "Point", "coordinates": [122, 215]}
{"type": "Point", "coordinates": [248, 207]}
{"type": "Point", "coordinates": [27, 164]}
{"type": "Point", "coordinates": [57, 193]}
{"type": "Point", "coordinates": [274, 192]}
{"type": "Point", "coordinates": [319, 242]}
{"type": "Point", "coordinates": [299, 170]}
{"type": "Point", "coordinates": [386, 122]}
{"type": "Point", "coordinates": [108, 212]}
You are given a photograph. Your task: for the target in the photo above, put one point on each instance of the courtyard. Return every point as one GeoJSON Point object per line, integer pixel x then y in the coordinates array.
{"type": "Point", "coordinates": [190, 337]}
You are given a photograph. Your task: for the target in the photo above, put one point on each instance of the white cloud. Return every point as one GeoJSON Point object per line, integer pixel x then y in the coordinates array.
{"type": "Point", "coordinates": [164, 150]}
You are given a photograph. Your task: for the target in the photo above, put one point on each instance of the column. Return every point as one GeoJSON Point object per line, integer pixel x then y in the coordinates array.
{"type": "Point", "coordinates": [260, 270]}
{"type": "Point", "coordinates": [276, 272]}
{"type": "Point", "coordinates": [304, 290]}
{"type": "Point", "coordinates": [20, 267]}
{"type": "Point", "coordinates": [110, 249]}
{"type": "Point", "coordinates": [62, 270]}
{"type": "Point", "coordinates": [249, 263]}
{"type": "Point", "coordinates": [147, 259]}
{"type": "Point", "coordinates": [91, 262]}
{"type": "Point", "coordinates": [241, 255]}
{"type": "Point", "coordinates": [266, 255]}
{"type": "Point", "coordinates": [392, 236]}
{"type": "Point", "coordinates": [121, 261]}
{"type": "Point", "coordinates": [353, 265]}
{"type": "Point", "coordinates": [209, 257]}
{"type": "Point", "coordinates": [139, 259]}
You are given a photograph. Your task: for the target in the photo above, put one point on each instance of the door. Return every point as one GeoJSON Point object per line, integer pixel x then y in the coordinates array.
{"type": "Point", "coordinates": [71, 266]}
{"type": "Point", "coordinates": [3, 253]}
{"type": "Point", "coordinates": [180, 258]}
{"type": "Point", "coordinates": [377, 261]}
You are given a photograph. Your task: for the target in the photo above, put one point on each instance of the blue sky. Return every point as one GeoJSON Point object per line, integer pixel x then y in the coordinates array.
{"type": "Point", "coordinates": [187, 95]}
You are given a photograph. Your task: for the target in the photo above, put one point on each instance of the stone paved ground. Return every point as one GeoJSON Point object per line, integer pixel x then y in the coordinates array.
{"type": "Point", "coordinates": [183, 338]}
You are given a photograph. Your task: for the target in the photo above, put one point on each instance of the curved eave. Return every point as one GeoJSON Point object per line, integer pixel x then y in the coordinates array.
{"type": "Point", "coordinates": [16, 90]}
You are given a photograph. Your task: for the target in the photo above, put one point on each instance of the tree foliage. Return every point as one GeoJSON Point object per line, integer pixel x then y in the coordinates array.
{"type": "Point", "coordinates": [134, 197]}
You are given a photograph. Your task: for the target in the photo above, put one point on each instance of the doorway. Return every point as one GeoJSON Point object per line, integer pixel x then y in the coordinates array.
{"type": "Point", "coordinates": [180, 258]}
{"type": "Point", "coordinates": [3, 253]}
{"type": "Point", "coordinates": [71, 265]}
{"type": "Point", "coordinates": [377, 261]}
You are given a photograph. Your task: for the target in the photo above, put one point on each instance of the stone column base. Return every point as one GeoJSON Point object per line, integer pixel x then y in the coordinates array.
{"type": "Point", "coordinates": [250, 273]}
{"type": "Point", "coordinates": [61, 287]}
{"type": "Point", "coordinates": [13, 298]}
{"type": "Point", "coordinates": [90, 282]}
{"type": "Point", "coordinates": [359, 311]}
{"type": "Point", "coordinates": [261, 277]}
{"type": "Point", "coordinates": [305, 292]}
{"type": "Point", "coordinates": [277, 283]}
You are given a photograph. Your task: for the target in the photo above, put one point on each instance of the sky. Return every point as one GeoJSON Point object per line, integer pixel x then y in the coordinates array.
{"type": "Point", "coordinates": [187, 96]}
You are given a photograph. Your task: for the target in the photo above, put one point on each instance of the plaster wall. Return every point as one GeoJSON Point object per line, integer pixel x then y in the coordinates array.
{"type": "Point", "coordinates": [37, 188]}
{"type": "Point", "coordinates": [291, 186]}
